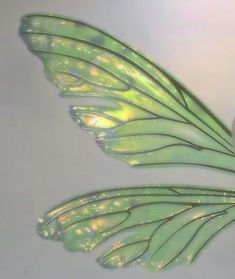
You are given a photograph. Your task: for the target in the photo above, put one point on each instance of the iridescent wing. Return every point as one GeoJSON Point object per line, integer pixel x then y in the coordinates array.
{"type": "Point", "coordinates": [152, 119]}
{"type": "Point", "coordinates": [158, 227]}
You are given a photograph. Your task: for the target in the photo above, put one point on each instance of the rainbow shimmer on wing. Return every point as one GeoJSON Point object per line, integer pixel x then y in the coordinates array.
{"type": "Point", "coordinates": [157, 227]}
{"type": "Point", "coordinates": [151, 120]}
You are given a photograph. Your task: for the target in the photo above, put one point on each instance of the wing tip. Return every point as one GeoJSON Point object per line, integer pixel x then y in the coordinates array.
{"type": "Point", "coordinates": [48, 229]}
{"type": "Point", "coordinates": [104, 263]}
{"type": "Point", "coordinates": [74, 114]}
{"type": "Point", "coordinates": [26, 21]}
{"type": "Point", "coordinates": [55, 16]}
{"type": "Point", "coordinates": [77, 118]}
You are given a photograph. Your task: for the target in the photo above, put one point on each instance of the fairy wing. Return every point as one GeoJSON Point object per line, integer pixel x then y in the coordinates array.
{"type": "Point", "coordinates": [152, 119]}
{"type": "Point", "coordinates": [158, 226]}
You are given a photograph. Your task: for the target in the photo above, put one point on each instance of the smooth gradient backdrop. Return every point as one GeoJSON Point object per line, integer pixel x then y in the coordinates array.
{"type": "Point", "coordinates": [46, 159]}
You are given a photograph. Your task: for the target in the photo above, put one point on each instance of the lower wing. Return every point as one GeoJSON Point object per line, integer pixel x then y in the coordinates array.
{"type": "Point", "coordinates": [158, 226]}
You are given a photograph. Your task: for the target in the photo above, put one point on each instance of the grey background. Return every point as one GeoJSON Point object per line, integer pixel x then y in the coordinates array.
{"type": "Point", "coordinates": [45, 158]}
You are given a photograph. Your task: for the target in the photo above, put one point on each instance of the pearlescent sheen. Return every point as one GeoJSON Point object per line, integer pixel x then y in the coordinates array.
{"type": "Point", "coordinates": [152, 118]}
{"type": "Point", "coordinates": [157, 227]}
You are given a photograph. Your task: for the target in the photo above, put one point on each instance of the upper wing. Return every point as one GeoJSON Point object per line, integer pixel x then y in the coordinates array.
{"type": "Point", "coordinates": [162, 226]}
{"type": "Point", "coordinates": [152, 118]}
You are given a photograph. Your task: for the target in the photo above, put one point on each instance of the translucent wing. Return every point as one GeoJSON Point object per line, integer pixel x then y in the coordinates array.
{"type": "Point", "coordinates": [151, 120]}
{"type": "Point", "coordinates": [158, 227]}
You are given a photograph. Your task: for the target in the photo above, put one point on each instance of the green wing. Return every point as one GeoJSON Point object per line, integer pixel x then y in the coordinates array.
{"type": "Point", "coordinates": [151, 118]}
{"type": "Point", "coordinates": [158, 227]}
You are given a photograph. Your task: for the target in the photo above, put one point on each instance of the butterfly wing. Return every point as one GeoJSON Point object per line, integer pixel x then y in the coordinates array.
{"type": "Point", "coordinates": [151, 120]}
{"type": "Point", "coordinates": [158, 226]}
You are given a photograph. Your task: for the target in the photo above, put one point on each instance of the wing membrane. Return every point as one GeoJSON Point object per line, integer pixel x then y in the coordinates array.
{"type": "Point", "coordinates": [85, 61]}
{"type": "Point", "coordinates": [158, 227]}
